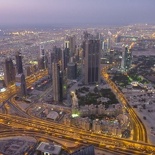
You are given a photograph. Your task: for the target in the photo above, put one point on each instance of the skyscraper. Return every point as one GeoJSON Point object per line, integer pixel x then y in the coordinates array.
{"type": "Point", "coordinates": [65, 58]}
{"type": "Point", "coordinates": [126, 59]}
{"type": "Point", "coordinates": [21, 85]}
{"type": "Point", "coordinates": [19, 64]}
{"type": "Point", "coordinates": [71, 43]}
{"type": "Point", "coordinates": [20, 77]}
{"type": "Point", "coordinates": [92, 61]}
{"type": "Point", "coordinates": [55, 55]}
{"type": "Point", "coordinates": [57, 82]}
{"type": "Point", "coordinates": [42, 62]}
{"type": "Point", "coordinates": [71, 71]}
{"type": "Point", "coordinates": [9, 72]}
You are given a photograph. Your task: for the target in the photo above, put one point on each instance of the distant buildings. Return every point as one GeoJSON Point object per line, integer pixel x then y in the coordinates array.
{"type": "Point", "coordinates": [92, 61]}
{"type": "Point", "coordinates": [9, 72]}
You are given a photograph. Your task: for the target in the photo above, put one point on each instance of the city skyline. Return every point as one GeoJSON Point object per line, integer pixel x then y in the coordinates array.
{"type": "Point", "coordinates": [72, 12]}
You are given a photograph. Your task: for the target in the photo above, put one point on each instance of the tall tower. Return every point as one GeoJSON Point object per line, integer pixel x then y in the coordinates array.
{"type": "Point", "coordinates": [20, 77]}
{"type": "Point", "coordinates": [71, 43]}
{"type": "Point", "coordinates": [92, 61]}
{"type": "Point", "coordinates": [19, 64]}
{"type": "Point", "coordinates": [21, 85]}
{"type": "Point", "coordinates": [42, 58]}
{"type": "Point", "coordinates": [9, 72]}
{"type": "Point", "coordinates": [57, 82]}
{"type": "Point", "coordinates": [126, 59]}
{"type": "Point", "coordinates": [65, 58]}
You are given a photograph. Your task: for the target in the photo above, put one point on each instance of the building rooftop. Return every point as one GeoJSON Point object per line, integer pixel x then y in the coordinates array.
{"type": "Point", "coordinates": [49, 148]}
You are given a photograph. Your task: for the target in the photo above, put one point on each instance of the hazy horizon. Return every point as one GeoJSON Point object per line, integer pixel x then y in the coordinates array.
{"type": "Point", "coordinates": [75, 12]}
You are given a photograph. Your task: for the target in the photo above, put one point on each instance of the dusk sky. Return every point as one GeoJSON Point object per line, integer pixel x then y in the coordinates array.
{"type": "Point", "coordinates": [106, 12]}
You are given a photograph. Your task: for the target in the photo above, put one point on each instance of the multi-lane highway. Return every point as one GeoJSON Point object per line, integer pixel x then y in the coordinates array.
{"type": "Point", "coordinates": [139, 130]}
{"type": "Point", "coordinates": [11, 90]}
{"type": "Point", "coordinates": [54, 129]}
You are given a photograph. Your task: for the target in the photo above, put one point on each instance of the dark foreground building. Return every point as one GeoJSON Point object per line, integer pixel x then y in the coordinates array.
{"type": "Point", "coordinates": [89, 150]}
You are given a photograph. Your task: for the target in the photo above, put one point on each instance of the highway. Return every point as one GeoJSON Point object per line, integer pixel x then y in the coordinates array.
{"type": "Point", "coordinates": [54, 129]}
{"type": "Point", "coordinates": [46, 129]}
{"type": "Point", "coordinates": [139, 130]}
{"type": "Point", "coordinates": [11, 90]}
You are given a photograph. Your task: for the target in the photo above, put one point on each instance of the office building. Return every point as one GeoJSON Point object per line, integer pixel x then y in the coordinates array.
{"type": "Point", "coordinates": [126, 59]}
{"type": "Point", "coordinates": [57, 81]}
{"type": "Point", "coordinates": [58, 53]}
{"type": "Point", "coordinates": [65, 58]}
{"type": "Point", "coordinates": [55, 55]}
{"type": "Point", "coordinates": [21, 85]}
{"type": "Point", "coordinates": [92, 61]}
{"type": "Point", "coordinates": [9, 72]}
{"type": "Point", "coordinates": [71, 44]}
{"type": "Point", "coordinates": [19, 64]}
{"type": "Point", "coordinates": [71, 71]}
{"type": "Point", "coordinates": [43, 60]}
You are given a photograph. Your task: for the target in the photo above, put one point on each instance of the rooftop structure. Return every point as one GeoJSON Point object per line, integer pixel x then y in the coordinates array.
{"type": "Point", "coordinates": [49, 149]}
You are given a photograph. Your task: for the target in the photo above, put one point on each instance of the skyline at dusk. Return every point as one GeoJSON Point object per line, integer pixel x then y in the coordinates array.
{"type": "Point", "coordinates": [73, 12]}
{"type": "Point", "coordinates": [77, 77]}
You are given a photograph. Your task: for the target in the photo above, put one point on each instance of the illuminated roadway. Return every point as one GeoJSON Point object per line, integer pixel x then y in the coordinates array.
{"type": "Point", "coordinates": [79, 135]}
{"type": "Point", "coordinates": [139, 130]}
{"type": "Point", "coordinates": [11, 90]}
{"type": "Point", "coordinates": [55, 129]}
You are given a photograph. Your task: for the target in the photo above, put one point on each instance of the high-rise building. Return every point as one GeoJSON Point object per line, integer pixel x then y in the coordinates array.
{"type": "Point", "coordinates": [92, 61]}
{"type": "Point", "coordinates": [43, 61]}
{"type": "Point", "coordinates": [55, 55]}
{"type": "Point", "coordinates": [126, 59]}
{"type": "Point", "coordinates": [65, 58]}
{"type": "Point", "coordinates": [21, 85]}
{"type": "Point", "coordinates": [19, 64]}
{"type": "Point", "coordinates": [9, 72]}
{"type": "Point", "coordinates": [71, 71]}
{"type": "Point", "coordinates": [57, 81]}
{"type": "Point", "coordinates": [71, 42]}
{"type": "Point", "coordinates": [58, 53]}
{"type": "Point", "coordinates": [42, 51]}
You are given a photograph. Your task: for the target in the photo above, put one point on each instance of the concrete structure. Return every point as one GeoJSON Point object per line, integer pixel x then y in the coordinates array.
{"type": "Point", "coordinates": [53, 115]}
